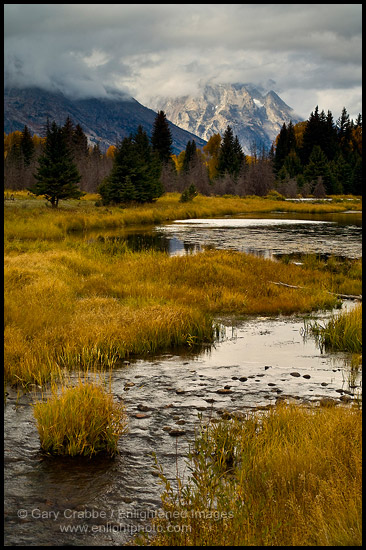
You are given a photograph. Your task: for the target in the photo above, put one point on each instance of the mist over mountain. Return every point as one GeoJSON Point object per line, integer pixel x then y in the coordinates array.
{"type": "Point", "coordinates": [104, 120]}
{"type": "Point", "coordinates": [255, 116]}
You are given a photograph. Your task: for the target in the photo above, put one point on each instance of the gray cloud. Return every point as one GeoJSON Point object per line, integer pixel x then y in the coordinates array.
{"type": "Point", "coordinates": [312, 52]}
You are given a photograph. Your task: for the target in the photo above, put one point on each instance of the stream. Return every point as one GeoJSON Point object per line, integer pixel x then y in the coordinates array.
{"type": "Point", "coordinates": [252, 364]}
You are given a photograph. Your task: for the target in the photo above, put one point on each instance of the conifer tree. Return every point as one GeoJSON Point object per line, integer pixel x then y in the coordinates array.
{"type": "Point", "coordinates": [80, 143]}
{"type": "Point", "coordinates": [27, 146]}
{"type": "Point", "coordinates": [135, 174]}
{"type": "Point", "coordinates": [318, 166]}
{"type": "Point", "coordinates": [57, 176]}
{"type": "Point", "coordinates": [161, 138]}
{"type": "Point", "coordinates": [190, 154]}
{"type": "Point", "coordinates": [231, 157]}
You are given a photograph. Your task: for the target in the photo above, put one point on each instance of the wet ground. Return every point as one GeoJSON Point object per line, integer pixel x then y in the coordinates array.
{"type": "Point", "coordinates": [63, 502]}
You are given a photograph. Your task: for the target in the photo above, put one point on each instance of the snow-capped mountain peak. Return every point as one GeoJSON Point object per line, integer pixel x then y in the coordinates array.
{"type": "Point", "coordinates": [256, 117]}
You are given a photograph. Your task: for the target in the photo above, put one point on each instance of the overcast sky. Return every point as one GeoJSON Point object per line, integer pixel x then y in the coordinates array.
{"type": "Point", "coordinates": [310, 54]}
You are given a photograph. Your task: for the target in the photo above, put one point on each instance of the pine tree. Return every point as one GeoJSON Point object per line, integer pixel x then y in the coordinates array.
{"type": "Point", "coordinates": [68, 131]}
{"type": "Point", "coordinates": [281, 149]}
{"type": "Point", "coordinates": [80, 143]}
{"type": "Point", "coordinates": [190, 154]}
{"type": "Point", "coordinates": [57, 176]}
{"type": "Point", "coordinates": [311, 136]}
{"type": "Point", "coordinates": [161, 138]}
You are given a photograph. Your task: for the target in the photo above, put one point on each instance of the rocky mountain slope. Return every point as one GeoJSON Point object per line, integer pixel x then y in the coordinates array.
{"type": "Point", "coordinates": [256, 117]}
{"type": "Point", "coordinates": [104, 120]}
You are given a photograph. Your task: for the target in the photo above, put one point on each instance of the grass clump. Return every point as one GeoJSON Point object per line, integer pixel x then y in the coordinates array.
{"type": "Point", "coordinates": [342, 333]}
{"type": "Point", "coordinates": [81, 420]}
{"type": "Point", "coordinates": [292, 477]}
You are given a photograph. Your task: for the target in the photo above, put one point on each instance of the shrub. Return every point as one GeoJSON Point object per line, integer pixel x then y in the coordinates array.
{"type": "Point", "coordinates": [188, 194]}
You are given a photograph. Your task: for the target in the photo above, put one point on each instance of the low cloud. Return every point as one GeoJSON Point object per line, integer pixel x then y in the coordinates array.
{"type": "Point", "coordinates": [169, 49]}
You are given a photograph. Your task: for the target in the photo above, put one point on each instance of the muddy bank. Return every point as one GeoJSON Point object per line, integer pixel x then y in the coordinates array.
{"type": "Point", "coordinates": [104, 502]}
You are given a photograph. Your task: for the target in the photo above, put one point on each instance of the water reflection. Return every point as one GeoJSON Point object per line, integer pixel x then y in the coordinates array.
{"type": "Point", "coordinates": [274, 236]}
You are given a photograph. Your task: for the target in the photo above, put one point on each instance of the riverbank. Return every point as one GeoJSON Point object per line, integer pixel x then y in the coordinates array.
{"type": "Point", "coordinates": [73, 303]}
{"type": "Point", "coordinates": [29, 218]}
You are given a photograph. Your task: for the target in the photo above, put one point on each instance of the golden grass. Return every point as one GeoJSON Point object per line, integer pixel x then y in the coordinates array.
{"type": "Point", "coordinates": [70, 303]}
{"type": "Point", "coordinates": [343, 332]}
{"type": "Point", "coordinates": [29, 218]}
{"type": "Point", "coordinates": [290, 478]}
{"type": "Point", "coordinates": [77, 304]}
{"type": "Point", "coordinates": [80, 420]}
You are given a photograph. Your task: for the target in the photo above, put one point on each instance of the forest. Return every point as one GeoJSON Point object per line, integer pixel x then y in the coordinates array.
{"type": "Point", "coordinates": [316, 157]}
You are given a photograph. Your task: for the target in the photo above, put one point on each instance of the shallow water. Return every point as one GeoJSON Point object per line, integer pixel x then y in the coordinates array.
{"type": "Point", "coordinates": [274, 235]}
{"type": "Point", "coordinates": [269, 236]}
{"type": "Point", "coordinates": [106, 501]}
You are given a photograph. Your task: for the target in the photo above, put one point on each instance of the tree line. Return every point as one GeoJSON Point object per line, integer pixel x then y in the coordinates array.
{"type": "Point", "coordinates": [314, 157]}
{"type": "Point", "coordinates": [320, 155]}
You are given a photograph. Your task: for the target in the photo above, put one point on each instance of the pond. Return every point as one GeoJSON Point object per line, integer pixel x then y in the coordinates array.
{"type": "Point", "coordinates": [254, 363]}
{"type": "Point", "coordinates": [272, 236]}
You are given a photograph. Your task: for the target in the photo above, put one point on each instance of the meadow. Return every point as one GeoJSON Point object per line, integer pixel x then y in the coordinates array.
{"type": "Point", "coordinates": [288, 476]}
{"type": "Point", "coordinates": [73, 304]}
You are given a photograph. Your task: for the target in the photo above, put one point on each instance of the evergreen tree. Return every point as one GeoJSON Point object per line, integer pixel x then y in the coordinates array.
{"type": "Point", "coordinates": [231, 157]}
{"type": "Point", "coordinates": [311, 136]}
{"type": "Point", "coordinates": [330, 144]}
{"type": "Point", "coordinates": [68, 130]}
{"type": "Point", "coordinates": [292, 164]}
{"type": "Point", "coordinates": [135, 174]}
{"type": "Point", "coordinates": [80, 143]}
{"type": "Point", "coordinates": [239, 154]}
{"type": "Point", "coordinates": [357, 177]}
{"type": "Point", "coordinates": [27, 146]}
{"type": "Point", "coordinates": [190, 154]}
{"type": "Point", "coordinates": [318, 166]}
{"type": "Point", "coordinates": [57, 176]}
{"type": "Point", "coordinates": [281, 151]}
{"type": "Point", "coordinates": [161, 138]}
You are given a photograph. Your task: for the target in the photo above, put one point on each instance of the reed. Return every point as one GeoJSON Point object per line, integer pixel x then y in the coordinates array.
{"type": "Point", "coordinates": [80, 420]}
{"type": "Point", "coordinates": [292, 477]}
{"type": "Point", "coordinates": [342, 333]}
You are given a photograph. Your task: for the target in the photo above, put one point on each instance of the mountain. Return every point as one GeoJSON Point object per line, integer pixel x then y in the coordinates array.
{"type": "Point", "coordinates": [254, 116]}
{"type": "Point", "coordinates": [104, 120]}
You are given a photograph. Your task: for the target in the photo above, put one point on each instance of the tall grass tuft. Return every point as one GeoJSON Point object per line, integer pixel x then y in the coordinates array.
{"type": "Point", "coordinates": [292, 477]}
{"type": "Point", "coordinates": [81, 420]}
{"type": "Point", "coordinates": [342, 333]}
